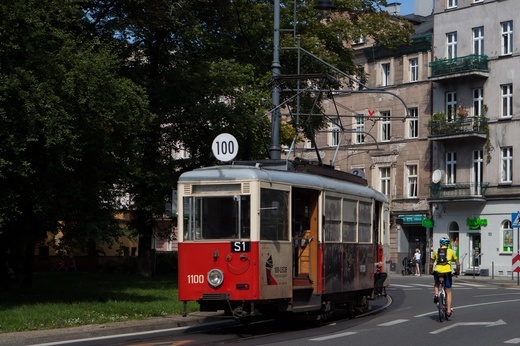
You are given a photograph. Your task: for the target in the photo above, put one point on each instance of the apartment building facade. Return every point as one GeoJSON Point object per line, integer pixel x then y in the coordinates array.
{"type": "Point", "coordinates": [474, 132]}
{"type": "Point", "coordinates": [373, 136]}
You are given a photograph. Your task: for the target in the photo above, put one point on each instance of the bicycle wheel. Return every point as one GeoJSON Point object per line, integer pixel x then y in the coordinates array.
{"type": "Point", "coordinates": [442, 307]}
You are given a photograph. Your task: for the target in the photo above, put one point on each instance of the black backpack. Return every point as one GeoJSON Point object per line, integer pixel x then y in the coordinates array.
{"type": "Point", "coordinates": [442, 255]}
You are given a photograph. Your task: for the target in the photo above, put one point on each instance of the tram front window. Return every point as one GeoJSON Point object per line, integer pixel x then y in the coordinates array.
{"type": "Point", "coordinates": [217, 217]}
{"type": "Point", "coordinates": [274, 211]}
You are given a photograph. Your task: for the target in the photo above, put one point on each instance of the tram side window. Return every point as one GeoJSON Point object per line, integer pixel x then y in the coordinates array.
{"type": "Point", "coordinates": [332, 219]}
{"type": "Point", "coordinates": [350, 214]}
{"type": "Point", "coordinates": [217, 217]}
{"type": "Point", "coordinates": [365, 225]}
{"type": "Point", "coordinates": [274, 215]}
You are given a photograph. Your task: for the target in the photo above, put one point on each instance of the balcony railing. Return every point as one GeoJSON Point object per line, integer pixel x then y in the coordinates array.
{"type": "Point", "coordinates": [461, 125]}
{"type": "Point", "coordinates": [458, 190]}
{"type": "Point", "coordinates": [465, 64]}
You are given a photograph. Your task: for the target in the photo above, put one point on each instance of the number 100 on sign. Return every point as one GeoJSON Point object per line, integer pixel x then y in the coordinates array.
{"type": "Point", "coordinates": [225, 147]}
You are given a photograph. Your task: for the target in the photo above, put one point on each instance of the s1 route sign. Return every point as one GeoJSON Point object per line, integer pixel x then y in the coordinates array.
{"type": "Point", "coordinates": [225, 147]}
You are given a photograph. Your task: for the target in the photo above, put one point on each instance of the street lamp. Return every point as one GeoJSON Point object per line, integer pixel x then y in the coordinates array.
{"type": "Point", "coordinates": [275, 149]}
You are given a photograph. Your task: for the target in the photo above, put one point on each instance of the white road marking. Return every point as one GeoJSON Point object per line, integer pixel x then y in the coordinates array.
{"type": "Point", "coordinates": [487, 324]}
{"type": "Point", "coordinates": [512, 341]}
{"type": "Point", "coordinates": [334, 336]}
{"type": "Point", "coordinates": [470, 306]}
{"type": "Point", "coordinates": [392, 323]}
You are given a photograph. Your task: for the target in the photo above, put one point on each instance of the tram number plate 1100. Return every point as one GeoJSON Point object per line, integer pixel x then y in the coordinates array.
{"type": "Point", "coordinates": [240, 246]}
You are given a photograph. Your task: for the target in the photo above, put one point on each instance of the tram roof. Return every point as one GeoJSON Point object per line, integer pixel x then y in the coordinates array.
{"type": "Point", "coordinates": [285, 172]}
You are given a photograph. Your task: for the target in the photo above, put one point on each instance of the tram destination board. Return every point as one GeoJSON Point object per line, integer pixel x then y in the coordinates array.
{"type": "Point", "coordinates": [240, 246]}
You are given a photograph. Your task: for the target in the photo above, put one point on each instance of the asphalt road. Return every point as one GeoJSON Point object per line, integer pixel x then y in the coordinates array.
{"type": "Point", "coordinates": [408, 294]}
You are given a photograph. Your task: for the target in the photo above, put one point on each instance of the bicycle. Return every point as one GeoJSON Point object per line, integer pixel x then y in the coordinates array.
{"type": "Point", "coordinates": [441, 304]}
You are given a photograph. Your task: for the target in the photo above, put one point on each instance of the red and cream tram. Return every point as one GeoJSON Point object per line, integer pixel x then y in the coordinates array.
{"type": "Point", "coordinates": [274, 237]}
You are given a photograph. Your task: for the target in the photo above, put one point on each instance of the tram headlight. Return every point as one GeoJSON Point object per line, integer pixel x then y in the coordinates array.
{"type": "Point", "coordinates": [215, 277]}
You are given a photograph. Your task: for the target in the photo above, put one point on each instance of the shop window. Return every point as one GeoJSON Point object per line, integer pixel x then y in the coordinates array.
{"type": "Point", "coordinates": [507, 237]}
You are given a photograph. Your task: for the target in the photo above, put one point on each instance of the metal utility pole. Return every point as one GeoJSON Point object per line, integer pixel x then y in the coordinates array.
{"type": "Point", "coordinates": [275, 150]}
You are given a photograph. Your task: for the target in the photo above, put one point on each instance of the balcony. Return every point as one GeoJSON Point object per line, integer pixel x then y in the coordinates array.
{"type": "Point", "coordinates": [464, 66]}
{"type": "Point", "coordinates": [462, 126]}
{"type": "Point", "coordinates": [458, 191]}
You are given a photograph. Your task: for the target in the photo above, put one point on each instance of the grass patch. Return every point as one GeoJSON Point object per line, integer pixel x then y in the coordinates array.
{"type": "Point", "coordinates": [60, 299]}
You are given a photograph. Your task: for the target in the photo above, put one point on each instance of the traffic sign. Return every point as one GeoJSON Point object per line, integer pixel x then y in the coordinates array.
{"type": "Point", "coordinates": [225, 147]}
{"type": "Point", "coordinates": [516, 263]}
{"type": "Point", "coordinates": [515, 220]}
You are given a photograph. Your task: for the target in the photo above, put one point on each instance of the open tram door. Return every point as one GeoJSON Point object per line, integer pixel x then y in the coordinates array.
{"type": "Point", "coordinates": [305, 244]}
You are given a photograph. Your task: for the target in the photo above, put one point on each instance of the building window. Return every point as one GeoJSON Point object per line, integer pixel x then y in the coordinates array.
{"type": "Point", "coordinates": [385, 126]}
{"type": "Point", "coordinates": [360, 129]}
{"type": "Point", "coordinates": [451, 105]}
{"type": "Point", "coordinates": [478, 102]}
{"type": "Point", "coordinates": [413, 123]}
{"type": "Point", "coordinates": [385, 74]}
{"type": "Point", "coordinates": [451, 45]}
{"type": "Point", "coordinates": [475, 1]}
{"type": "Point", "coordinates": [507, 237]}
{"type": "Point", "coordinates": [414, 69]}
{"type": "Point", "coordinates": [334, 134]}
{"type": "Point", "coordinates": [384, 176]}
{"type": "Point", "coordinates": [452, 3]}
{"type": "Point", "coordinates": [360, 40]}
{"type": "Point", "coordinates": [478, 172]}
{"type": "Point", "coordinates": [412, 181]}
{"type": "Point", "coordinates": [506, 168]}
{"type": "Point", "coordinates": [308, 144]}
{"type": "Point", "coordinates": [451, 168]}
{"type": "Point", "coordinates": [507, 100]}
{"type": "Point", "coordinates": [507, 38]}
{"type": "Point", "coordinates": [478, 40]}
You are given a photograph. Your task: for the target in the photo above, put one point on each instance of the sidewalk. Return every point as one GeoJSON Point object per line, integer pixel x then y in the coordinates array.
{"type": "Point", "coordinates": [502, 281]}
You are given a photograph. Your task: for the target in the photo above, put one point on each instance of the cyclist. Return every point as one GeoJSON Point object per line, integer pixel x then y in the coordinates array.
{"type": "Point", "coordinates": [442, 258]}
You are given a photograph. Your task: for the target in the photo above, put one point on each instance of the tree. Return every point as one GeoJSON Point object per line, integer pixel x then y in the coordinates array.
{"type": "Point", "coordinates": [70, 127]}
{"type": "Point", "coordinates": [206, 66]}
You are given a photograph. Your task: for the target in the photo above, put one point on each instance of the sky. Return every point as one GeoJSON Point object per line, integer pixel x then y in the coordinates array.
{"type": "Point", "coordinates": [406, 6]}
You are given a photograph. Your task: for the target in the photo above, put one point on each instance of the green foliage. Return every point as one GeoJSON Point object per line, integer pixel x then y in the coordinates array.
{"type": "Point", "coordinates": [71, 124]}
{"type": "Point", "coordinates": [96, 95]}
{"type": "Point", "coordinates": [60, 300]}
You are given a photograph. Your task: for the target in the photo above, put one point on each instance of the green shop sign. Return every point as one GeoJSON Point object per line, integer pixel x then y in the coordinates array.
{"type": "Point", "coordinates": [411, 219]}
{"type": "Point", "coordinates": [476, 223]}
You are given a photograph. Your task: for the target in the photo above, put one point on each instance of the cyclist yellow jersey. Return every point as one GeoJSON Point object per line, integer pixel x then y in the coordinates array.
{"type": "Point", "coordinates": [444, 267]}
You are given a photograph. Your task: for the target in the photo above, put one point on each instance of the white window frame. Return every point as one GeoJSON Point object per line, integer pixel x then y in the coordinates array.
{"type": "Point", "coordinates": [506, 94]}
{"type": "Point", "coordinates": [475, 1]}
{"type": "Point", "coordinates": [385, 74]}
{"type": "Point", "coordinates": [359, 135]}
{"type": "Point", "coordinates": [478, 40]}
{"type": "Point", "coordinates": [478, 102]}
{"type": "Point", "coordinates": [507, 37]}
{"type": "Point", "coordinates": [506, 166]}
{"type": "Point", "coordinates": [414, 69]}
{"type": "Point", "coordinates": [451, 45]}
{"type": "Point", "coordinates": [451, 4]}
{"type": "Point", "coordinates": [478, 171]}
{"type": "Point", "coordinates": [385, 126]}
{"type": "Point", "coordinates": [413, 123]}
{"type": "Point", "coordinates": [506, 232]}
{"type": "Point", "coordinates": [451, 168]}
{"type": "Point", "coordinates": [384, 180]}
{"type": "Point", "coordinates": [334, 134]}
{"type": "Point", "coordinates": [412, 181]}
{"type": "Point", "coordinates": [451, 106]}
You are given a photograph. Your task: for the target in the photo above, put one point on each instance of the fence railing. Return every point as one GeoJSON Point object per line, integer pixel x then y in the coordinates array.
{"type": "Point", "coordinates": [458, 190]}
{"type": "Point", "coordinates": [460, 125]}
{"type": "Point", "coordinates": [469, 63]}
